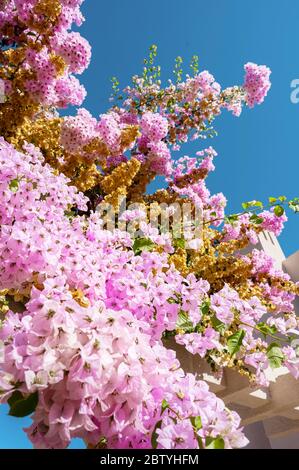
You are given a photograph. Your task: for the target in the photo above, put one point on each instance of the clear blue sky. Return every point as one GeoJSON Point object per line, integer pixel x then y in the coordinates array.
{"type": "Point", "coordinates": [258, 152]}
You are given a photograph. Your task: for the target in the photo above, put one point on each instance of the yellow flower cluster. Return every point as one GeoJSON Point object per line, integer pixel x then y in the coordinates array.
{"type": "Point", "coordinates": [140, 183]}
{"type": "Point", "coordinates": [50, 9]}
{"type": "Point", "coordinates": [179, 260]}
{"type": "Point", "coordinates": [116, 185]}
{"type": "Point", "coordinates": [18, 106]}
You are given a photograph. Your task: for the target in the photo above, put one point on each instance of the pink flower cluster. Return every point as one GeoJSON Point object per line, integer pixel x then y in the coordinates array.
{"type": "Point", "coordinates": [159, 157]}
{"type": "Point", "coordinates": [268, 221]}
{"type": "Point", "coordinates": [109, 131]}
{"type": "Point", "coordinates": [200, 86]}
{"type": "Point", "coordinates": [74, 49]}
{"type": "Point", "coordinates": [78, 131]}
{"type": "Point", "coordinates": [30, 203]}
{"type": "Point", "coordinates": [191, 105]}
{"type": "Point", "coordinates": [48, 86]}
{"type": "Point", "coordinates": [98, 375]}
{"type": "Point", "coordinates": [197, 343]}
{"type": "Point", "coordinates": [227, 306]}
{"type": "Point", "coordinates": [24, 11]}
{"type": "Point", "coordinates": [273, 222]}
{"type": "Point", "coordinates": [97, 363]}
{"type": "Point", "coordinates": [213, 206]}
{"type": "Point", "coordinates": [257, 83]}
{"type": "Point", "coordinates": [153, 126]}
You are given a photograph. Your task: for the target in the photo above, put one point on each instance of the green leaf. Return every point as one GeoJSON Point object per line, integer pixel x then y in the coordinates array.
{"type": "Point", "coordinates": [279, 211]}
{"type": "Point", "coordinates": [154, 437]}
{"type": "Point", "coordinates": [234, 342]}
{"type": "Point", "coordinates": [199, 328]}
{"type": "Point", "coordinates": [275, 355]}
{"type": "Point", "coordinates": [266, 329]}
{"type": "Point", "coordinates": [14, 185]}
{"type": "Point", "coordinates": [194, 64]}
{"type": "Point", "coordinates": [214, 443]}
{"type": "Point", "coordinates": [282, 198]}
{"type": "Point", "coordinates": [197, 425]}
{"type": "Point", "coordinates": [16, 396]}
{"type": "Point", "coordinates": [256, 219]}
{"type": "Point", "coordinates": [142, 244]}
{"type": "Point", "coordinates": [205, 307]}
{"type": "Point", "coordinates": [248, 204]}
{"type": "Point", "coordinates": [164, 406]}
{"type": "Point", "coordinates": [20, 406]}
{"type": "Point", "coordinates": [196, 422]}
{"type": "Point", "coordinates": [179, 242]}
{"type": "Point", "coordinates": [294, 204]}
{"type": "Point", "coordinates": [218, 325]}
{"type": "Point", "coordinates": [69, 214]}
{"type": "Point", "coordinates": [183, 322]}
{"type": "Point", "coordinates": [232, 218]}
{"type": "Point", "coordinates": [272, 200]}
{"type": "Point", "coordinates": [257, 204]}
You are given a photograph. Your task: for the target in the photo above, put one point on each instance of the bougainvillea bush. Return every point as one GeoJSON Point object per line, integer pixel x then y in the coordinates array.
{"type": "Point", "coordinates": [93, 296]}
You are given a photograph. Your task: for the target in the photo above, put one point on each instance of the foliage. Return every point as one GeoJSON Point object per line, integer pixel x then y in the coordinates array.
{"type": "Point", "coordinates": [84, 308]}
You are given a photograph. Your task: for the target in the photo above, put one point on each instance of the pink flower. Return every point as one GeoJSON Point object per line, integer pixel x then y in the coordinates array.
{"type": "Point", "coordinates": [222, 308]}
{"type": "Point", "coordinates": [197, 343]}
{"type": "Point", "coordinates": [257, 83]}
{"type": "Point", "coordinates": [154, 126]}
{"type": "Point", "coordinates": [177, 436]}
{"type": "Point", "coordinates": [74, 49]}
{"type": "Point", "coordinates": [78, 131]}
{"type": "Point", "coordinates": [291, 361]}
{"type": "Point", "coordinates": [109, 130]}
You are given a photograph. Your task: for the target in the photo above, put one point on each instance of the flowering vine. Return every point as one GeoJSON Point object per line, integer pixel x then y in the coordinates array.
{"type": "Point", "coordinates": [91, 317]}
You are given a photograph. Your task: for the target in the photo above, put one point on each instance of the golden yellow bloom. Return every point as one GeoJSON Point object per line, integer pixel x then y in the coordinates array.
{"type": "Point", "coordinates": [80, 298]}
{"type": "Point", "coordinates": [122, 175]}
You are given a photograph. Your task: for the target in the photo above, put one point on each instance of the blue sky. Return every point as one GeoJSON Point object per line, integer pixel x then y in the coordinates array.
{"type": "Point", "coordinates": [258, 152]}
